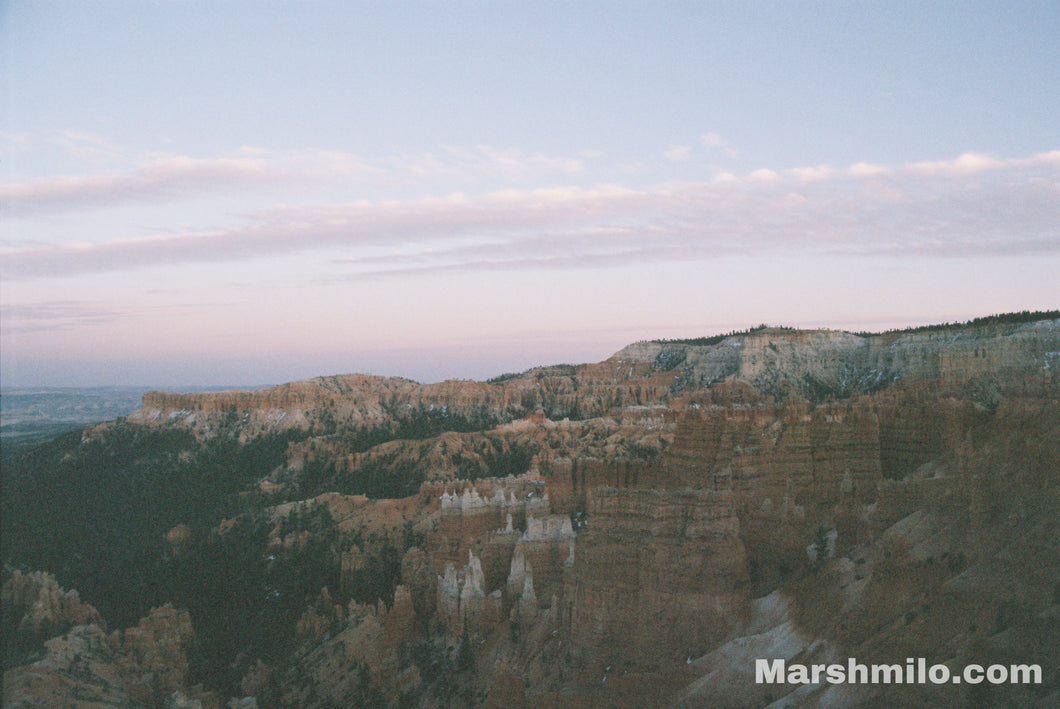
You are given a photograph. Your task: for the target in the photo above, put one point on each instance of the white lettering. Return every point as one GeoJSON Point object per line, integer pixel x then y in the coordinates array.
{"type": "Point", "coordinates": [769, 672]}
{"type": "Point", "coordinates": [1026, 674]}
{"type": "Point", "coordinates": [797, 674]}
{"type": "Point", "coordinates": [915, 670]}
{"type": "Point", "coordinates": [889, 674]}
{"type": "Point", "coordinates": [857, 673]}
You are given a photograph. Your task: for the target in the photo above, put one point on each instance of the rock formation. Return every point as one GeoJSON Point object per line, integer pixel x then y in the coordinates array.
{"type": "Point", "coordinates": [78, 664]}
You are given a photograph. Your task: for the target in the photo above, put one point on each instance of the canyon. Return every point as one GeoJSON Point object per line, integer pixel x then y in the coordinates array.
{"type": "Point", "coordinates": [628, 533]}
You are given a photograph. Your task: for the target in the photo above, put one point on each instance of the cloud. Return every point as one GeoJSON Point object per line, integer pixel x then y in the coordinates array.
{"type": "Point", "coordinates": [485, 160]}
{"type": "Point", "coordinates": [60, 315]}
{"type": "Point", "coordinates": [960, 208]}
{"type": "Point", "coordinates": [967, 164]}
{"type": "Point", "coordinates": [677, 153]}
{"type": "Point", "coordinates": [168, 178]}
{"type": "Point", "coordinates": [86, 146]}
{"type": "Point", "coordinates": [764, 175]}
{"type": "Point", "coordinates": [811, 174]}
{"type": "Point", "coordinates": [864, 169]}
{"type": "Point", "coordinates": [713, 141]}
{"type": "Point", "coordinates": [585, 248]}
{"type": "Point", "coordinates": [529, 260]}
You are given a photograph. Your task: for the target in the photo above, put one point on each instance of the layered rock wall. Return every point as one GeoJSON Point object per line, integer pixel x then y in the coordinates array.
{"type": "Point", "coordinates": [656, 575]}
{"type": "Point", "coordinates": [821, 362]}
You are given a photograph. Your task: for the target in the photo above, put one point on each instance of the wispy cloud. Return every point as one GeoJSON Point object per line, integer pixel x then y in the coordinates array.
{"type": "Point", "coordinates": [713, 141]}
{"type": "Point", "coordinates": [485, 160]}
{"type": "Point", "coordinates": [60, 315]}
{"type": "Point", "coordinates": [87, 146]}
{"type": "Point", "coordinates": [865, 169]}
{"type": "Point", "coordinates": [967, 164]}
{"type": "Point", "coordinates": [811, 174]}
{"type": "Point", "coordinates": [525, 261]}
{"type": "Point", "coordinates": [969, 206]}
{"type": "Point", "coordinates": [162, 179]}
{"type": "Point", "coordinates": [586, 248]}
{"type": "Point", "coordinates": [677, 153]}
{"type": "Point", "coordinates": [167, 178]}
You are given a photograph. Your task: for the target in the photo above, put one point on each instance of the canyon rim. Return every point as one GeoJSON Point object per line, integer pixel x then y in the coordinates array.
{"type": "Point", "coordinates": [629, 533]}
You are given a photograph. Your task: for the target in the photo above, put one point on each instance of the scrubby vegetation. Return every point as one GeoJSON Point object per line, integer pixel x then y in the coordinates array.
{"type": "Point", "coordinates": [385, 476]}
{"type": "Point", "coordinates": [1019, 318]}
{"type": "Point", "coordinates": [422, 422]}
{"type": "Point", "coordinates": [718, 339]}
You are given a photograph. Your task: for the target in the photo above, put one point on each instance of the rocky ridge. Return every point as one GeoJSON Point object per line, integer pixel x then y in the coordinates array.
{"type": "Point", "coordinates": [643, 379]}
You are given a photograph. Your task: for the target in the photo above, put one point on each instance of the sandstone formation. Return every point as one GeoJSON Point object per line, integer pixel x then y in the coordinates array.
{"type": "Point", "coordinates": [80, 665]}
{"type": "Point", "coordinates": [43, 608]}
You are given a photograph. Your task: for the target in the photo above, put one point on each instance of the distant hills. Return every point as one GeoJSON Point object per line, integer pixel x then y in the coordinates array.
{"type": "Point", "coordinates": [30, 415]}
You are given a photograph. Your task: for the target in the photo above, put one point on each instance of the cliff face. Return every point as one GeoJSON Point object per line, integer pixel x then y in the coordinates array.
{"type": "Point", "coordinates": [657, 576]}
{"type": "Point", "coordinates": [634, 533]}
{"type": "Point", "coordinates": [831, 362]}
{"type": "Point", "coordinates": [814, 364]}
{"type": "Point", "coordinates": [958, 565]}
{"type": "Point", "coordinates": [330, 403]}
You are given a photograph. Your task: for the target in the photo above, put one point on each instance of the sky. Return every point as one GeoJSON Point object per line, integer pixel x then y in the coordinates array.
{"type": "Point", "coordinates": [246, 193]}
